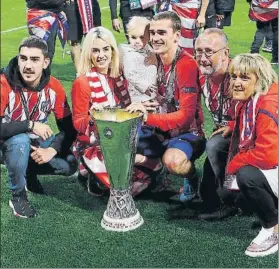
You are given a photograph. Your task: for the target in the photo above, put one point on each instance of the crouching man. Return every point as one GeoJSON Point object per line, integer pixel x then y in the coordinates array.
{"type": "Point", "coordinates": [28, 146]}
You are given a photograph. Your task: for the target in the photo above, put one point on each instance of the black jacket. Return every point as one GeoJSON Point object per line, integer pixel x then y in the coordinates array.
{"type": "Point", "coordinates": [219, 7]}
{"type": "Point", "coordinates": [126, 12]}
{"type": "Point", "coordinates": [50, 5]}
{"type": "Point", "coordinates": [61, 142]}
{"type": "Point", "coordinates": [215, 7]}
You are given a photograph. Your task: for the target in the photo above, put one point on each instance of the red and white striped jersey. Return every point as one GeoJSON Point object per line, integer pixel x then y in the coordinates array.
{"type": "Point", "coordinates": [50, 99]}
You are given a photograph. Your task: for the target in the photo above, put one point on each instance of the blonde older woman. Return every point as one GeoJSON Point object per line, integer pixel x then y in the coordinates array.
{"type": "Point", "coordinates": [253, 159]}
{"type": "Point", "coordinates": [98, 85]}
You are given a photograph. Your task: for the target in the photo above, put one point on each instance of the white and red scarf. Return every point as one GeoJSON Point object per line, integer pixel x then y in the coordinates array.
{"type": "Point", "coordinates": [86, 14]}
{"type": "Point", "coordinates": [263, 10]}
{"type": "Point", "coordinates": [41, 22]}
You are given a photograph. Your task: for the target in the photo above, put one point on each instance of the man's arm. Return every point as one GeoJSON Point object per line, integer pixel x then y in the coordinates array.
{"type": "Point", "coordinates": [8, 130]}
{"type": "Point", "coordinates": [201, 18]}
{"type": "Point", "coordinates": [12, 128]}
{"type": "Point", "coordinates": [66, 136]}
{"type": "Point", "coordinates": [113, 9]}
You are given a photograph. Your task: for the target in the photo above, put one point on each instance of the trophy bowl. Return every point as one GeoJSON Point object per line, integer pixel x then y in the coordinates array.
{"type": "Point", "coordinates": [118, 136]}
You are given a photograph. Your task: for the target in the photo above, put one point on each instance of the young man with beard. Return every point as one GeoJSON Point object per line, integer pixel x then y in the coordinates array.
{"type": "Point", "coordinates": [212, 56]}
{"type": "Point", "coordinates": [27, 144]}
{"type": "Point", "coordinates": [178, 119]}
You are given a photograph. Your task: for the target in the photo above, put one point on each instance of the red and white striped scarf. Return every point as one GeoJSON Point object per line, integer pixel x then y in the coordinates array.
{"type": "Point", "coordinates": [261, 10]}
{"type": "Point", "coordinates": [86, 14]}
{"type": "Point", "coordinates": [91, 154]}
{"type": "Point", "coordinates": [98, 96]}
{"type": "Point", "coordinates": [41, 22]}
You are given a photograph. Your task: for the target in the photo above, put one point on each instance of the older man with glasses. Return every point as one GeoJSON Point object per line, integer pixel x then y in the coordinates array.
{"type": "Point", "coordinates": [212, 56]}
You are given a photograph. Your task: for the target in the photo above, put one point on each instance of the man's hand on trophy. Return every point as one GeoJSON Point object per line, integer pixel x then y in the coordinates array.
{"type": "Point", "coordinates": [137, 107]}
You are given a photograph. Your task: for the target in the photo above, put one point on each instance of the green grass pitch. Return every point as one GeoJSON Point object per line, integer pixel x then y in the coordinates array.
{"type": "Point", "coordinates": [67, 231]}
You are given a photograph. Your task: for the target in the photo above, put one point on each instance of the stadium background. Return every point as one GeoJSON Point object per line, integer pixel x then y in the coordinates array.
{"type": "Point", "coordinates": [67, 232]}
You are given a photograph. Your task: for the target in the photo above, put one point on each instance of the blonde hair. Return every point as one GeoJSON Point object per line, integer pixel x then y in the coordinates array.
{"type": "Point", "coordinates": [135, 23]}
{"type": "Point", "coordinates": [247, 63]}
{"type": "Point", "coordinates": [85, 63]}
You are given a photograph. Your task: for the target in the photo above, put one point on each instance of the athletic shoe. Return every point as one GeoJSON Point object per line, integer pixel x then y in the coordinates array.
{"type": "Point", "coordinates": [264, 244]}
{"type": "Point", "coordinates": [186, 192]}
{"type": "Point", "coordinates": [190, 187]}
{"type": "Point", "coordinates": [21, 206]}
{"type": "Point", "coordinates": [267, 48]}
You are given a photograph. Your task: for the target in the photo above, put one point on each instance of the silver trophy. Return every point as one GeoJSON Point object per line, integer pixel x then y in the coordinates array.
{"type": "Point", "coordinates": [118, 133]}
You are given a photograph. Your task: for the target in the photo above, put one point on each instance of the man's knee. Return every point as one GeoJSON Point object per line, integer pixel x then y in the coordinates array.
{"type": "Point", "coordinates": [175, 161]}
{"type": "Point", "coordinates": [18, 140]}
{"type": "Point", "coordinates": [73, 164]}
{"type": "Point", "coordinates": [15, 154]}
{"type": "Point", "coordinates": [16, 146]}
{"type": "Point", "coordinates": [243, 177]}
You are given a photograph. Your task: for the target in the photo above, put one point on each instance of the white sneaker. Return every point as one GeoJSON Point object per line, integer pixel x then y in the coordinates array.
{"type": "Point", "coordinates": [264, 244]}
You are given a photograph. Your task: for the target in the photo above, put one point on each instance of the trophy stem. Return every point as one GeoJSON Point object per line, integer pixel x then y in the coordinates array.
{"type": "Point", "coordinates": [121, 214]}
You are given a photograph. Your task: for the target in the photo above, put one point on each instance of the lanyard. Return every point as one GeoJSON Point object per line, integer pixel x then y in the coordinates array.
{"type": "Point", "coordinates": [221, 99]}
{"type": "Point", "coordinates": [162, 79]}
{"type": "Point", "coordinates": [29, 115]}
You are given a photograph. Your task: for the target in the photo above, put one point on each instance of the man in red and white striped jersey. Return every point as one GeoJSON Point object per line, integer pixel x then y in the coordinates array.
{"type": "Point", "coordinates": [28, 146]}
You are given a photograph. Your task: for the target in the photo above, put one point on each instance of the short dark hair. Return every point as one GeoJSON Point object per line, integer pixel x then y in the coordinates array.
{"type": "Point", "coordinates": [169, 15]}
{"type": "Point", "coordinates": [34, 42]}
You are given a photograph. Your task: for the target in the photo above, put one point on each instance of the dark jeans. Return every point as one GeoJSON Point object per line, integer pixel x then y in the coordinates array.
{"type": "Point", "coordinates": [256, 190]}
{"type": "Point", "coordinates": [51, 41]}
{"type": "Point", "coordinates": [217, 148]}
{"type": "Point", "coordinates": [15, 154]}
{"type": "Point", "coordinates": [262, 30]}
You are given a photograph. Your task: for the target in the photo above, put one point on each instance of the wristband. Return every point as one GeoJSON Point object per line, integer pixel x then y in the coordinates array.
{"type": "Point", "coordinates": [30, 129]}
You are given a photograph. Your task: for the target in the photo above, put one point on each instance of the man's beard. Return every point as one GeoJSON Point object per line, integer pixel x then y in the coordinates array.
{"type": "Point", "coordinates": [210, 71]}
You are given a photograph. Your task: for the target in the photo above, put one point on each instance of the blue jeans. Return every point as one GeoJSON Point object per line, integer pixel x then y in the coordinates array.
{"type": "Point", "coordinates": [15, 154]}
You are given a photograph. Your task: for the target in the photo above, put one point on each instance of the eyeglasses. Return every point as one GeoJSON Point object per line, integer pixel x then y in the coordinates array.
{"type": "Point", "coordinates": [207, 53]}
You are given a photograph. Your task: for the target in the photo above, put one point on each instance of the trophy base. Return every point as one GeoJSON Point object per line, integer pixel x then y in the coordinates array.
{"type": "Point", "coordinates": [122, 225]}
